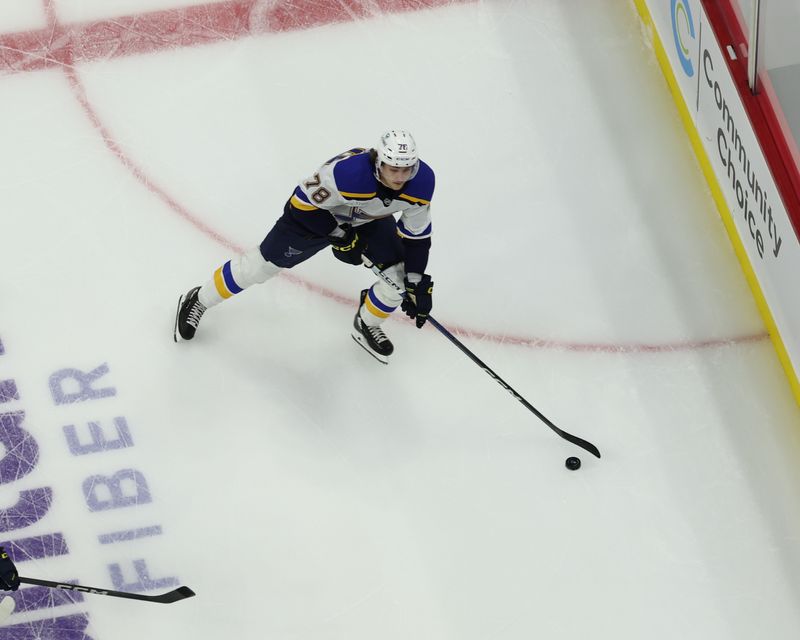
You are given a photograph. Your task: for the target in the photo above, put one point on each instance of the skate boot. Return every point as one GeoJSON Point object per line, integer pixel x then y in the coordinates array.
{"type": "Point", "coordinates": [187, 318]}
{"type": "Point", "coordinates": [372, 339]}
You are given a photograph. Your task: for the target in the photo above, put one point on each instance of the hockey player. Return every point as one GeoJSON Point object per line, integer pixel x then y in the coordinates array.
{"type": "Point", "coordinates": [9, 579]}
{"type": "Point", "coordinates": [348, 204]}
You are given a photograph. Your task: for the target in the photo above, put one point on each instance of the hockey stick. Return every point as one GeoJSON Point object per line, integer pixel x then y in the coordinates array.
{"type": "Point", "coordinates": [165, 598]}
{"type": "Point", "coordinates": [583, 444]}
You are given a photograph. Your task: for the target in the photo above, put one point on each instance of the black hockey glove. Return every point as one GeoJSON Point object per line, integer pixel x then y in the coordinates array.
{"type": "Point", "coordinates": [419, 299]}
{"type": "Point", "coordinates": [349, 247]}
{"type": "Point", "coordinates": [9, 580]}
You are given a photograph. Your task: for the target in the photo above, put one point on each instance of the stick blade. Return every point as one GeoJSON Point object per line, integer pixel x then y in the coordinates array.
{"type": "Point", "coordinates": [583, 444]}
{"type": "Point", "coordinates": [181, 593]}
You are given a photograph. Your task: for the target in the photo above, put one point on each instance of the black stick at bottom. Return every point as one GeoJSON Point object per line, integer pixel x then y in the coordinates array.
{"type": "Point", "coordinates": [584, 444]}
{"type": "Point", "coordinates": [166, 598]}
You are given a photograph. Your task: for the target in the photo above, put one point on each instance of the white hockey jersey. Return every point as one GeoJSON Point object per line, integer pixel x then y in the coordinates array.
{"type": "Point", "coordinates": [347, 188]}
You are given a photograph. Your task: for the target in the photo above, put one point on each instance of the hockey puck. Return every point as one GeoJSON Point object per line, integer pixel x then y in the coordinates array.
{"type": "Point", "coordinates": [573, 464]}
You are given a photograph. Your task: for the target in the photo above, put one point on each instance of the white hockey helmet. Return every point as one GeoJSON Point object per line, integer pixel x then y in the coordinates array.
{"type": "Point", "coordinates": [397, 148]}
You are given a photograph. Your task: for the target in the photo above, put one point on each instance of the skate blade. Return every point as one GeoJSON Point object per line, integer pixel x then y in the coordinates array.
{"type": "Point", "coordinates": [363, 344]}
{"type": "Point", "coordinates": [175, 335]}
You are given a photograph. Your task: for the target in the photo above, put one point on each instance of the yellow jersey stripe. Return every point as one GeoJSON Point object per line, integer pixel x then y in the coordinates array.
{"type": "Point", "coordinates": [362, 196]}
{"type": "Point", "coordinates": [297, 203]}
{"type": "Point", "coordinates": [403, 196]}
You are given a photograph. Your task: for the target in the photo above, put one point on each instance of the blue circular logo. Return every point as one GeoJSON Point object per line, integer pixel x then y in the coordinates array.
{"type": "Point", "coordinates": [683, 30]}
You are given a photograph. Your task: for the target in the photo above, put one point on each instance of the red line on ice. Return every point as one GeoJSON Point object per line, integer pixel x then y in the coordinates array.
{"type": "Point", "coordinates": [64, 45]}
{"type": "Point", "coordinates": [60, 43]}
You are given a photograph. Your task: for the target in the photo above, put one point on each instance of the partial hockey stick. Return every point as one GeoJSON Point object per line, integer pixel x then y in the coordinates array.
{"type": "Point", "coordinates": [583, 444]}
{"type": "Point", "coordinates": [169, 597]}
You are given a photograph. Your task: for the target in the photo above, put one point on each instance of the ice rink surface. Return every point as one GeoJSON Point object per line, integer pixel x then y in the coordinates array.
{"type": "Point", "coordinates": [305, 491]}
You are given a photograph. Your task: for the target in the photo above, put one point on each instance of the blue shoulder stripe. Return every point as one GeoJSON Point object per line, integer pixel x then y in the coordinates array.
{"type": "Point", "coordinates": [298, 192]}
{"type": "Point", "coordinates": [420, 188]}
{"type": "Point", "coordinates": [354, 177]}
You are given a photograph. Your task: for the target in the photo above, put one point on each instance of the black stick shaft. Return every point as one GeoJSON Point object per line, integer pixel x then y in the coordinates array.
{"type": "Point", "coordinates": [580, 442]}
{"type": "Point", "coordinates": [166, 598]}
{"type": "Point", "coordinates": [584, 444]}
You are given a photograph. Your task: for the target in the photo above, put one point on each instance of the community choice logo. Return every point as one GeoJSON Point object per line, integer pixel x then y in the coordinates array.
{"type": "Point", "coordinates": [683, 31]}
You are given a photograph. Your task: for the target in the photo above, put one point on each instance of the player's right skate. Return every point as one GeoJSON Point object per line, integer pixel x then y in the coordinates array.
{"type": "Point", "coordinates": [372, 339]}
{"type": "Point", "coordinates": [187, 317]}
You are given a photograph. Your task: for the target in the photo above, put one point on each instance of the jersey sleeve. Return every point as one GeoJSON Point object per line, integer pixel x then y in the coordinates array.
{"type": "Point", "coordinates": [343, 181]}
{"type": "Point", "coordinates": [315, 200]}
{"type": "Point", "coordinates": [414, 224]}
{"type": "Point", "coordinates": [318, 192]}
{"type": "Point", "coordinates": [415, 221]}
{"type": "Point", "coordinates": [318, 222]}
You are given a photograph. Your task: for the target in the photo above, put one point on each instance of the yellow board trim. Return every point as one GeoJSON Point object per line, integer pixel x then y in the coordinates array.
{"type": "Point", "coordinates": [374, 310]}
{"type": "Point", "coordinates": [719, 199]}
{"type": "Point", "coordinates": [219, 283]}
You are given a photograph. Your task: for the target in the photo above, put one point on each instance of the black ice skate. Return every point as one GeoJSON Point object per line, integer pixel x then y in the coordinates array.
{"type": "Point", "coordinates": [372, 339]}
{"type": "Point", "coordinates": [187, 318]}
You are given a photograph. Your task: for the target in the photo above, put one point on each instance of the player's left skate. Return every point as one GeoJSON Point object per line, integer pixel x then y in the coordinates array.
{"type": "Point", "coordinates": [187, 317]}
{"type": "Point", "coordinates": [372, 339]}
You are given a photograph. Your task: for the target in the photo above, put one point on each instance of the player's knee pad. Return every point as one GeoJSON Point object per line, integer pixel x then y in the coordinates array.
{"type": "Point", "coordinates": [251, 268]}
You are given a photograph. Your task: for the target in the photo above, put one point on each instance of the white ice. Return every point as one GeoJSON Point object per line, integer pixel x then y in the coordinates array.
{"type": "Point", "coordinates": [303, 490]}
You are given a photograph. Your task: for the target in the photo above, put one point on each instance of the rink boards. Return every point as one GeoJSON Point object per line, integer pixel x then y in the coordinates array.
{"type": "Point", "coordinates": [734, 165]}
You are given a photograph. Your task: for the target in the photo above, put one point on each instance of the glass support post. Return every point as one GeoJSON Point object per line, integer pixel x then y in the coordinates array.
{"type": "Point", "coordinates": [754, 48]}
